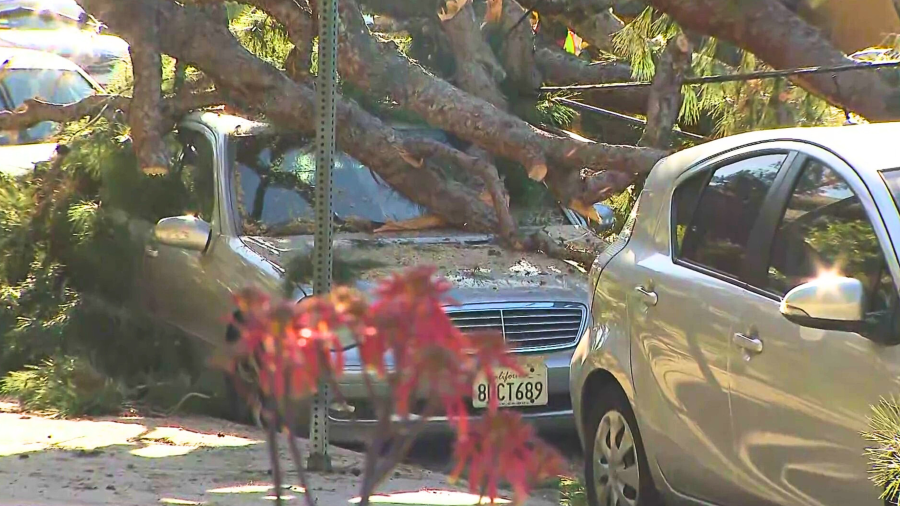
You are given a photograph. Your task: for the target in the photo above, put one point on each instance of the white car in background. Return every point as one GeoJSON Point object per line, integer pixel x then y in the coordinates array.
{"type": "Point", "coordinates": [62, 27]}
{"type": "Point", "coordinates": [26, 74]}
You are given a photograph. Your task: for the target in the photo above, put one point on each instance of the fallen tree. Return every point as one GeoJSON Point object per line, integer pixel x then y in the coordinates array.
{"type": "Point", "coordinates": [498, 64]}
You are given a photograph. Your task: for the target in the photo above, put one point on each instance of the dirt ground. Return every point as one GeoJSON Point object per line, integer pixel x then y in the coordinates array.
{"type": "Point", "coordinates": [127, 461]}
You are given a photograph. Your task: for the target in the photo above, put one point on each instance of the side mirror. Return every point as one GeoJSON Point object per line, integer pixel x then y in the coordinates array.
{"type": "Point", "coordinates": [603, 221]}
{"type": "Point", "coordinates": [828, 303]}
{"type": "Point", "coordinates": [186, 232]}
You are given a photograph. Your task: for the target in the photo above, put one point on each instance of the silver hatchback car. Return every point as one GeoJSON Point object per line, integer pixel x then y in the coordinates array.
{"type": "Point", "coordinates": [744, 323]}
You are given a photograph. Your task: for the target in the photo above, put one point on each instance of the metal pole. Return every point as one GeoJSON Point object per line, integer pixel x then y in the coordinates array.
{"type": "Point", "coordinates": [326, 82]}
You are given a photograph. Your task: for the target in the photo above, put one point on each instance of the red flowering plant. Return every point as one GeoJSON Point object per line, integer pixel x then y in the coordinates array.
{"type": "Point", "coordinates": [296, 346]}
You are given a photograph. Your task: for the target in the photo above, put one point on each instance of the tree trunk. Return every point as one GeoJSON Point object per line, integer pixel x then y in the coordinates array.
{"type": "Point", "coordinates": [782, 39]}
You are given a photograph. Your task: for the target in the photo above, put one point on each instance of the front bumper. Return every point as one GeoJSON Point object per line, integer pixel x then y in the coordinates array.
{"type": "Point", "coordinates": [358, 426]}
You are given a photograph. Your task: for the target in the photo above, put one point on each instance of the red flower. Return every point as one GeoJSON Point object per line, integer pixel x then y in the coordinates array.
{"type": "Point", "coordinates": [502, 446]}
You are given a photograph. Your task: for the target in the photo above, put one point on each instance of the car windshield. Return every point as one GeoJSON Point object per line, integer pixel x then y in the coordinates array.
{"type": "Point", "coordinates": [274, 176]}
{"type": "Point", "coordinates": [50, 85]}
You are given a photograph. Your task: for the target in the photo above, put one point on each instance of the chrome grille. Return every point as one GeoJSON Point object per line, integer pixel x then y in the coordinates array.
{"type": "Point", "coordinates": [525, 327]}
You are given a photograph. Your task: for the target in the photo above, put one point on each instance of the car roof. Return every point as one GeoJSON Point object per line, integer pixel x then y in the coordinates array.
{"type": "Point", "coordinates": [19, 58]}
{"type": "Point", "coordinates": [864, 147]}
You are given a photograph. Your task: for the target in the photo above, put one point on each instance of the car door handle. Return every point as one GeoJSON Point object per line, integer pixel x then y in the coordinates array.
{"type": "Point", "coordinates": [751, 344]}
{"type": "Point", "coordinates": [150, 252]}
{"type": "Point", "coordinates": [650, 298]}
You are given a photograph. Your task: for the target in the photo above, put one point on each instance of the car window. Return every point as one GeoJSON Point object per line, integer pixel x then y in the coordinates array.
{"type": "Point", "coordinates": [714, 215]}
{"type": "Point", "coordinates": [825, 229]}
{"type": "Point", "coordinates": [197, 171]}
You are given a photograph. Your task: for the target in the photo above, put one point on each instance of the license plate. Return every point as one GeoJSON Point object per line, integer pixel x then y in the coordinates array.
{"type": "Point", "coordinates": [512, 389]}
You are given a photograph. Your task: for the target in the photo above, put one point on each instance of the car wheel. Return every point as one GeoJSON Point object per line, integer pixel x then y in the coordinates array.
{"type": "Point", "coordinates": [615, 467]}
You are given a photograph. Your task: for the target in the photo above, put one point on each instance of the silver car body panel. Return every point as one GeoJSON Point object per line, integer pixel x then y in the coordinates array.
{"type": "Point", "coordinates": [781, 427]}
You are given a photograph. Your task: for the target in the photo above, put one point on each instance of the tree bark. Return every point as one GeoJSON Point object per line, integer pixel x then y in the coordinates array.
{"type": "Point", "coordinates": [514, 43]}
{"type": "Point", "coordinates": [666, 97]}
{"type": "Point", "coordinates": [477, 69]}
{"type": "Point", "coordinates": [186, 32]}
{"type": "Point", "coordinates": [563, 69]}
{"type": "Point", "coordinates": [34, 111]}
{"type": "Point", "coordinates": [144, 115]}
{"type": "Point", "coordinates": [380, 68]}
{"type": "Point", "coordinates": [782, 39]}
{"type": "Point", "coordinates": [478, 72]}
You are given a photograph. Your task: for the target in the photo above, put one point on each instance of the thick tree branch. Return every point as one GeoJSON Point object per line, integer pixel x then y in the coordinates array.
{"type": "Point", "coordinates": [477, 72]}
{"type": "Point", "coordinates": [514, 43]}
{"type": "Point", "coordinates": [34, 111]}
{"type": "Point", "coordinates": [187, 33]}
{"type": "Point", "coordinates": [782, 39]}
{"type": "Point", "coordinates": [366, 62]}
{"type": "Point", "coordinates": [299, 61]}
{"type": "Point", "coordinates": [666, 96]}
{"type": "Point", "coordinates": [477, 69]}
{"type": "Point", "coordinates": [562, 69]}
{"type": "Point", "coordinates": [144, 114]}
{"type": "Point", "coordinates": [477, 165]}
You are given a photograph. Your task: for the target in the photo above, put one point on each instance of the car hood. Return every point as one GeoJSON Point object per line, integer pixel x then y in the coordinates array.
{"type": "Point", "coordinates": [21, 159]}
{"type": "Point", "coordinates": [480, 270]}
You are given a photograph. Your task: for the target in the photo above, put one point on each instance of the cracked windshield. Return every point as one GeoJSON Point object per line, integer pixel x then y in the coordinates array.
{"type": "Point", "coordinates": [274, 177]}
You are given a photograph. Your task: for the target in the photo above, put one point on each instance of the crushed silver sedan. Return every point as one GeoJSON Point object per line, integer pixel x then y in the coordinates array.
{"type": "Point", "coordinates": [249, 213]}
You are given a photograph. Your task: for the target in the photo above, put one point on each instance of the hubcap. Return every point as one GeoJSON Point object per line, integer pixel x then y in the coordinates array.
{"type": "Point", "coordinates": [616, 473]}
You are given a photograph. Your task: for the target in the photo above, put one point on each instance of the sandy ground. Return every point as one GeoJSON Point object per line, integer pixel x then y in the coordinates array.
{"type": "Point", "coordinates": [128, 461]}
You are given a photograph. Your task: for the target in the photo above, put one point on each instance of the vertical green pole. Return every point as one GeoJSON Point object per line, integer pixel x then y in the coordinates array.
{"type": "Point", "coordinates": [326, 83]}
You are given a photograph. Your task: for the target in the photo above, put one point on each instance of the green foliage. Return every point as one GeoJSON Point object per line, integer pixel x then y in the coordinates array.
{"type": "Point", "coordinates": [884, 456]}
{"type": "Point", "coordinates": [261, 35]}
{"type": "Point", "coordinates": [70, 253]}
{"type": "Point", "coordinates": [65, 385]}
{"type": "Point", "coordinates": [734, 106]}
{"type": "Point", "coordinates": [551, 112]}
{"type": "Point", "coordinates": [571, 492]}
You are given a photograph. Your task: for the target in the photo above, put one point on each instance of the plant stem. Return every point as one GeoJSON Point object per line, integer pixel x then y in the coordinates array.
{"type": "Point", "coordinates": [298, 463]}
{"type": "Point", "coordinates": [272, 436]}
{"type": "Point", "coordinates": [374, 447]}
{"type": "Point", "coordinates": [399, 452]}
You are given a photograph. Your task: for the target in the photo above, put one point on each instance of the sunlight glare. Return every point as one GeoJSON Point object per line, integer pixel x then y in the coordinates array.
{"type": "Point", "coordinates": [431, 497]}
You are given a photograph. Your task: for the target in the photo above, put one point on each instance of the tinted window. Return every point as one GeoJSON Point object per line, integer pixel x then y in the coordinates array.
{"type": "Point", "coordinates": [826, 230]}
{"type": "Point", "coordinates": [714, 219]}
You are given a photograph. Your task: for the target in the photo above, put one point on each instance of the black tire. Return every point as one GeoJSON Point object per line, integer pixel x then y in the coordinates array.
{"type": "Point", "coordinates": [612, 404]}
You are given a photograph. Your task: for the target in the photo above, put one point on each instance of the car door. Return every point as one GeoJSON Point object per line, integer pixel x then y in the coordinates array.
{"type": "Point", "coordinates": [800, 396]}
{"type": "Point", "coordinates": [687, 297]}
{"type": "Point", "coordinates": [185, 286]}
